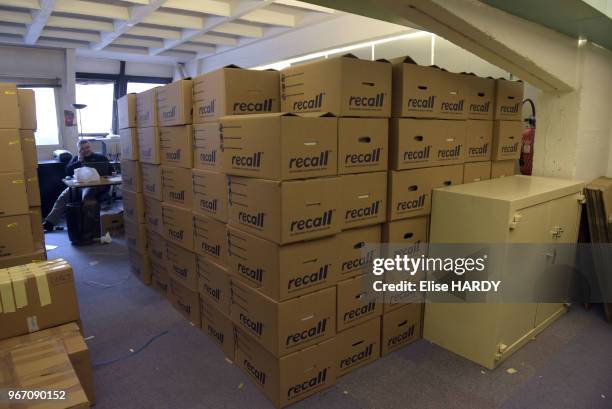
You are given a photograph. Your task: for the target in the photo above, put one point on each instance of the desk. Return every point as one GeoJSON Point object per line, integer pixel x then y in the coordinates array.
{"type": "Point", "coordinates": [83, 228]}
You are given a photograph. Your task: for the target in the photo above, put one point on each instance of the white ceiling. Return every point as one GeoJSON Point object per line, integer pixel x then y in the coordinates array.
{"type": "Point", "coordinates": [163, 31]}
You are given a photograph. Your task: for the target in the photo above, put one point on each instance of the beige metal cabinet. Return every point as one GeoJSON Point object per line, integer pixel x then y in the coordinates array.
{"type": "Point", "coordinates": [516, 209]}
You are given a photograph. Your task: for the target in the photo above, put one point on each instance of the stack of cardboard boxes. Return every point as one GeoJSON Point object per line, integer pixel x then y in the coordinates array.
{"type": "Point", "coordinates": [131, 188]}
{"type": "Point", "coordinates": [21, 234]}
{"type": "Point", "coordinates": [229, 91]}
{"type": "Point", "coordinates": [507, 127]}
{"type": "Point", "coordinates": [41, 345]}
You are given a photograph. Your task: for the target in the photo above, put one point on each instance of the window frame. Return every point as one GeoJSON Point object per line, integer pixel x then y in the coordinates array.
{"type": "Point", "coordinates": [56, 96]}
{"type": "Point", "coordinates": [120, 82]}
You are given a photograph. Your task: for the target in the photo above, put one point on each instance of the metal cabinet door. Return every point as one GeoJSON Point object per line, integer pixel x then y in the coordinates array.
{"type": "Point", "coordinates": [563, 232]}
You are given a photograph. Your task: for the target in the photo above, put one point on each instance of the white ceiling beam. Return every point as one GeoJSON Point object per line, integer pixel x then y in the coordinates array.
{"type": "Point", "coordinates": [142, 2]}
{"type": "Point", "coordinates": [196, 48]}
{"type": "Point", "coordinates": [70, 35]}
{"type": "Point", "coordinates": [154, 32]}
{"type": "Point", "coordinates": [78, 23]}
{"type": "Point", "coordinates": [137, 42]}
{"type": "Point", "coordinates": [214, 39]}
{"type": "Point", "coordinates": [137, 14]}
{"type": "Point", "coordinates": [118, 53]}
{"type": "Point", "coordinates": [238, 9]}
{"type": "Point", "coordinates": [242, 30]}
{"type": "Point", "coordinates": [218, 8]}
{"type": "Point", "coordinates": [305, 6]}
{"type": "Point", "coordinates": [183, 55]}
{"type": "Point", "coordinates": [39, 21]}
{"type": "Point", "coordinates": [270, 17]}
{"type": "Point", "coordinates": [12, 30]}
{"type": "Point", "coordinates": [26, 4]}
{"type": "Point", "coordinates": [164, 18]}
{"type": "Point", "coordinates": [90, 8]}
{"type": "Point", "coordinates": [15, 17]}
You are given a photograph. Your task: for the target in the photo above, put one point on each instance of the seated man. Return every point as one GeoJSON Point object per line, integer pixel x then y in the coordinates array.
{"type": "Point", "coordinates": [86, 155]}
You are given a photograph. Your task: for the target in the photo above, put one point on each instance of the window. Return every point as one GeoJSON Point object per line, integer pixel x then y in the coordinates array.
{"type": "Point", "coordinates": [46, 117]}
{"type": "Point", "coordinates": [140, 86]}
{"type": "Point", "coordinates": [97, 117]}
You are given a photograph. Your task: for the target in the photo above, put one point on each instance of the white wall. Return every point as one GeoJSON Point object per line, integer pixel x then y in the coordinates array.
{"type": "Point", "coordinates": [106, 66]}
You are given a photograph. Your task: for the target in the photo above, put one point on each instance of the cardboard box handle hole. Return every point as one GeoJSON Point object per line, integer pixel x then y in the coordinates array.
{"type": "Point", "coordinates": [413, 188]}
{"type": "Point", "coordinates": [418, 138]}
{"type": "Point", "coordinates": [310, 143]}
{"type": "Point", "coordinates": [359, 245]}
{"type": "Point", "coordinates": [308, 317]}
{"type": "Point", "coordinates": [402, 323]}
{"type": "Point", "coordinates": [365, 139]}
{"type": "Point", "coordinates": [408, 235]}
{"type": "Point", "coordinates": [369, 84]}
{"type": "Point", "coordinates": [481, 94]}
{"type": "Point", "coordinates": [423, 87]}
{"type": "Point", "coordinates": [357, 343]}
{"type": "Point", "coordinates": [363, 196]}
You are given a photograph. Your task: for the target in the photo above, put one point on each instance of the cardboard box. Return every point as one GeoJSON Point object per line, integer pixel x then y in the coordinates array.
{"type": "Point", "coordinates": [133, 207]}
{"type": "Point", "coordinates": [160, 281]}
{"type": "Point", "coordinates": [343, 86]}
{"type": "Point", "coordinates": [453, 96]}
{"type": "Point", "coordinates": [176, 146]}
{"type": "Point", "coordinates": [357, 249]}
{"type": "Point", "coordinates": [151, 181]}
{"type": "Point", "coordinates": [149, 145]}
{"type": "Point", "coordinates": [279, 146]}
{"type": "Point", "coordinates": [419, 143]}
{"type": "Point", "coordinates": [9, 106]}
{"type": "Point", "coordinates": [480, 97]}
{"type": "Point", "coordinates": [131, 176]}
{"type": "Point", "coordinates": [177, 186]}
{"type": "Point", "coordinates": [136, 237]}
{"type": "Point", "coordinates": [146, 108]}
{"type": "Point", "coordinates": [74, 344]}
{"type": "Point", "coordinates": [214, 284]}
{"type": "Point", "coordinates": [291, 378]}
{"type": "Point", "coordinates": [16, 235]}
{"type": "Point", "coordinates": [362, 145]}
{"type": "Point", "coordinates": [28, 149]}
{"type": "Point", "coordinates": [111, 222]}
{"type": "Point", "coordinates": [210, 194]}
{"type": "Point", "coordinates": [20, 259]}
{"type": "Point", "coordinates": [126, 111]}
{"type": "Point", "coordinates": [507, 137]}
{"type": "Point", "coordinates": [38, 235]}
{"type": "Point", "coordinates": [27, 109]}
{"type": "Point", "coordinates": [503, 168]}
{"type": "Point", "coordinates": [410, 190]}
{"type": "Point", "coordinates": [285, 212]}
{"type": "Point", "coordinates": [43, 365]}
{"type": "Point", "coordinates": [210, 239]}
{"type": "Point", "coordinates": [282, 272]}
{"type": "Point", "coordinates": [288, 326]}
{"type": "Point", "coordinates": [508, 100]}
{"type": "Point", "coordinates": [400, 327]}
{"type": "Point", "coordinates": [364, 199]}
{"type": "Point", "coordinates": [219, 327]}
{"type": "Point", "coordinates": [185, 301]}
{"type": "Point", "coordinates": [406, 237]}
{"type": "Point", "coordinates": [207, 146]}
{"type": "Point", "coordinates": [140, 264]}
{"type": "Point", "coordinates": [476, 171]}
{"type": "Point", "coordinates": [479, 140]}
{"type": "Point", "coordinates": [32, 186]}
{"type": "Point", "coordinates": [128, 138]}
{"type": "Point", "coordinates": [156, 248]}
{"type": "Point", "coordinates": [11, 156]}
{"type": "Point", "coordinates": [175, 103]}
{"type": "Point", "coordinates": [178, 225]}
{"type": "Point", "coordinates": [153, 215]}
{"type": "Point", "coordinates": [232, 90]}
{"type": "Point", "coordinates": [182, 266]}
{"type": "Point", "coordinates": [416, 89]}
{"type": "Point", "coordinates": [358, 346]}
{"type": "Point", "coordinates": [14, 199]}
{"type": "Point", "coordinates": [33, 303]}
{"type": "Point", "coordinates": [357, 302]}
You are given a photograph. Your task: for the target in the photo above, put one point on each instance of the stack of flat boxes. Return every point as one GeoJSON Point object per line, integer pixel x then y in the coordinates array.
{"type": "Point", "coordinates": [507, 127]}
{"type": "Point", "coordinates": [229, 91]}
{"type": "Point", "coordinates": [21, 235]}
{"type": "Point", "coordinates": [131, 188]}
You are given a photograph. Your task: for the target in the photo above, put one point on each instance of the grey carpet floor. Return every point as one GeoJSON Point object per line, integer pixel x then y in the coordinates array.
{"type": "Point", "coordinates": [569, 365]}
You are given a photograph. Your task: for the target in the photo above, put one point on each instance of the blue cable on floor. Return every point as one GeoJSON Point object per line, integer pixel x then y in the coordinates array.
{"type": "Point", "coordinates": [131, 354]}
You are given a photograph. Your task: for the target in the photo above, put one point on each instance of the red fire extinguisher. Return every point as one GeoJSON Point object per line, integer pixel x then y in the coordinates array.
{"type": "Point", "coordinates": [528, 138]}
